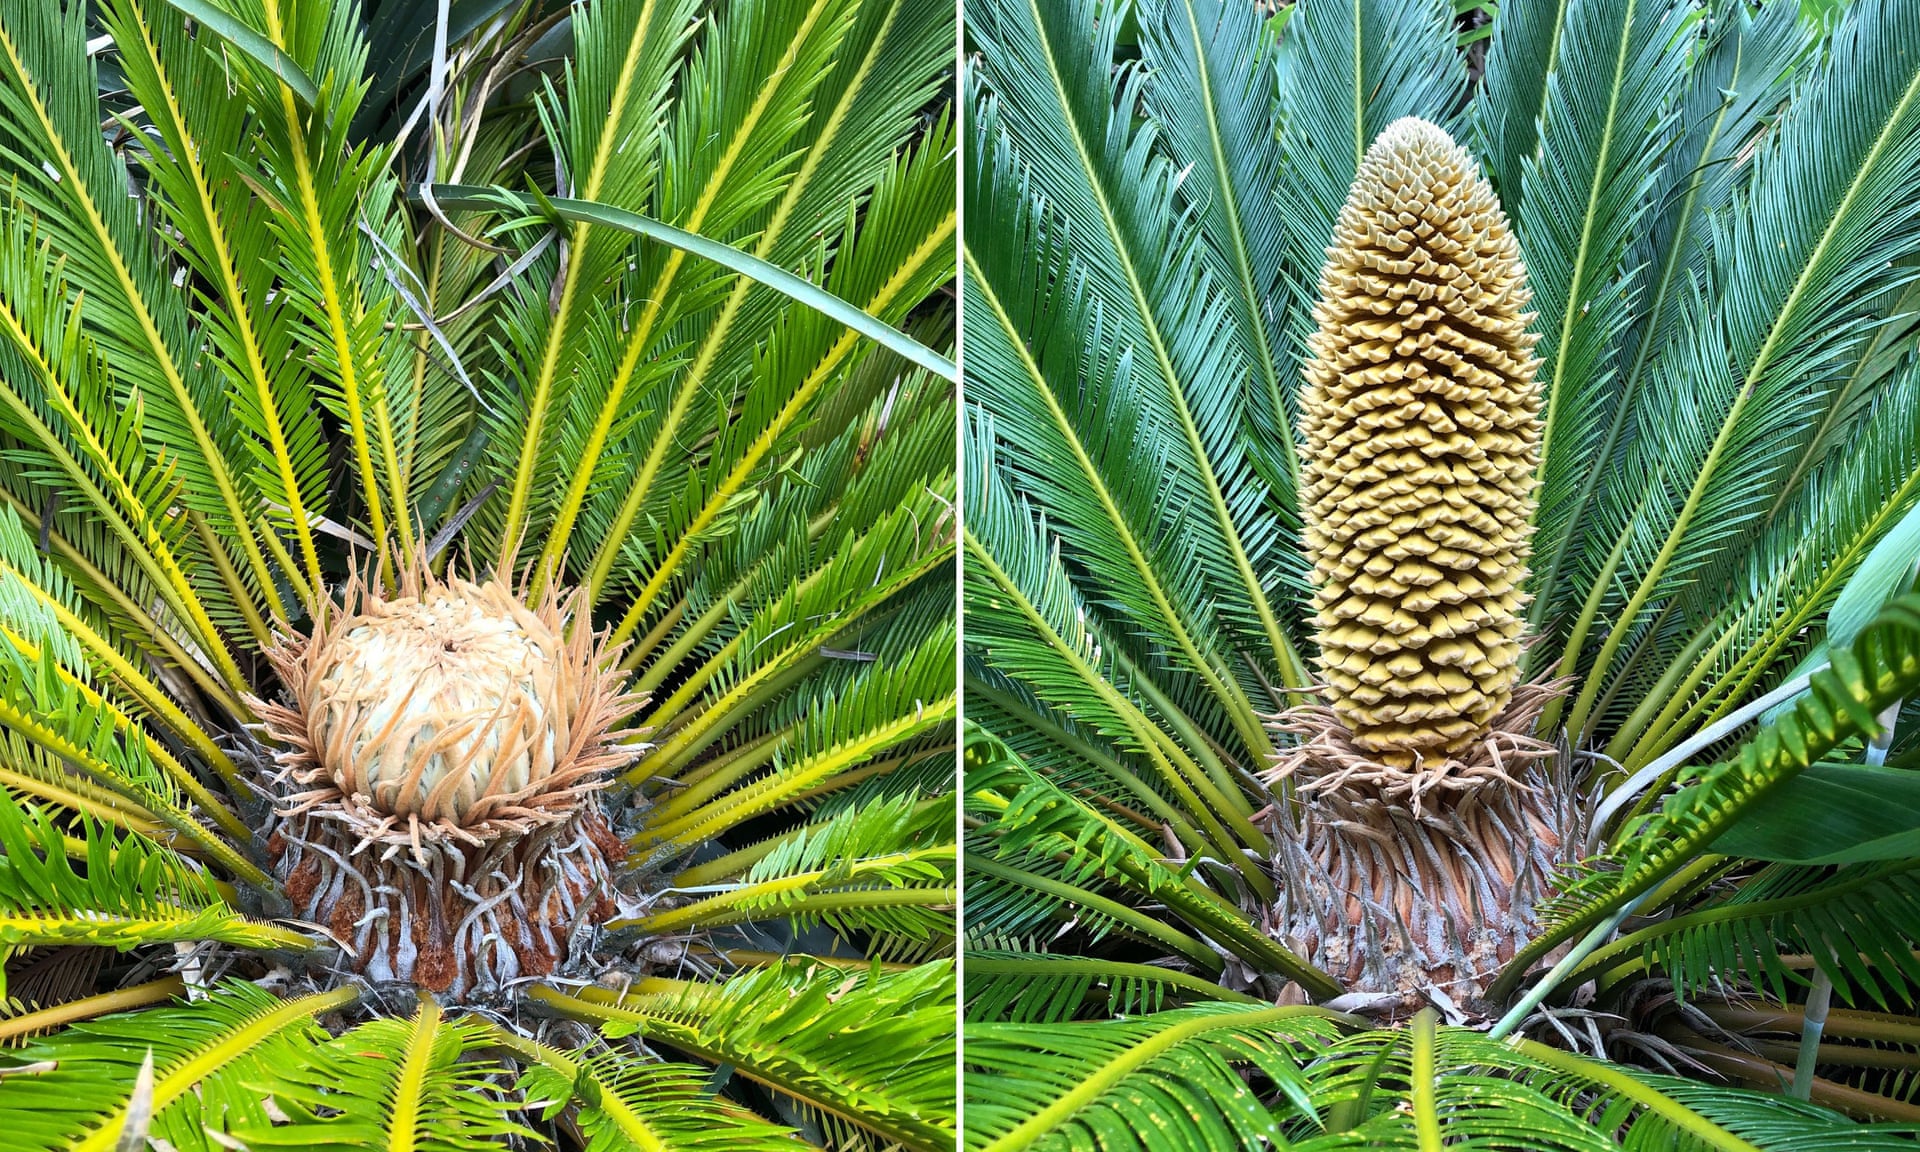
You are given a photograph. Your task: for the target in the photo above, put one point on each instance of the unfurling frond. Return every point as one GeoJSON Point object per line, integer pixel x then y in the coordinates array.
{"type": "Point", "coordinates": [1419, 418]}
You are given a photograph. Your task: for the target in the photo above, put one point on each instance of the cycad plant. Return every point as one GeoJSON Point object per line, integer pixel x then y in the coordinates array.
{"type": "Point", "coordinates": [1438, 514]}
{"type": "Point", "coordinates": [475, 590]}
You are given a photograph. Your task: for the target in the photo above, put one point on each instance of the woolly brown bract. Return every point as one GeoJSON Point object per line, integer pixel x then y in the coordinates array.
{"type": "Point", "coordinates": [634, 307]}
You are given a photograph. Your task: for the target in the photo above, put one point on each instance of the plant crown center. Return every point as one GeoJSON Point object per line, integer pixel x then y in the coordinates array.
{"type": "Point", "coordinates": [428, 704]}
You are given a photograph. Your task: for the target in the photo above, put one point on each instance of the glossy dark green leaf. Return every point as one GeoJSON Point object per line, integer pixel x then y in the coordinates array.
{"type": "Point", "coordinates": [1832, 814]}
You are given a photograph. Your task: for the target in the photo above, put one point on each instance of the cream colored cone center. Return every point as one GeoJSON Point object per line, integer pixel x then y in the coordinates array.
{"type": "Point", "coordinates": [427, 705]}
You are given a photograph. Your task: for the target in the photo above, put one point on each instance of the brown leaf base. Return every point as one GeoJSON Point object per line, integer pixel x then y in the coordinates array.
{"type": "Point", "coordinates": [1414, 881]}
{"type": "Point", "coordinates": [446, 915]}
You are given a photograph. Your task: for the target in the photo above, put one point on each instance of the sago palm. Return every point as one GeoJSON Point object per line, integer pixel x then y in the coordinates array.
{"type": "Point", "coordinates": [475, 592]}
{"type": "Point", "coordinates": [1437, 514]}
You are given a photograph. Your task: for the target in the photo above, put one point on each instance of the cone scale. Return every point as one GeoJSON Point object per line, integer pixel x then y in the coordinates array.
{"type": "Point", "coordinates": [1420, 433]}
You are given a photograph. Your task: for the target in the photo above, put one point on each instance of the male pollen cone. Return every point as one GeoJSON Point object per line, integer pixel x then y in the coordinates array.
{"type": "Point", "coordinates": [1421, 435]}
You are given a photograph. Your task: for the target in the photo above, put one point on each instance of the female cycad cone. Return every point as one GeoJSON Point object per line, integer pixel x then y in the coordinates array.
{"type": "Point", "coordinates": [440, 753]}
{"type": "Point", "coordinates": [443, 705]}
{"type": "Point", "coordinates": [1420, 429]}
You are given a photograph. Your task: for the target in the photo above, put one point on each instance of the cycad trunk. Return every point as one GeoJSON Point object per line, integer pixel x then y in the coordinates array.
{"type": "Point", "coordinates": [1429, 818]}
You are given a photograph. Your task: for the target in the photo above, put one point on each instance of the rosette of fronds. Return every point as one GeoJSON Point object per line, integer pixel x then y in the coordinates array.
{"type": "Point", "coordinates": [1230, 831]}
{"type": "Point", "coordinates": [476, 654]}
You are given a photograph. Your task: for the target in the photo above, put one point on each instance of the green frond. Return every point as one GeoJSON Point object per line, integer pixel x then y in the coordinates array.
{"type": "Point", "coordinates": [20, 1022]}
{"type": "Point", "coordinates": [392, 1084]}
{"type": "Point", "coordinates": [872, 1050]}
{"type": "Point", "coordinates": [126, 893]}
{"type": "Point", "coordinates": [1585, 200]}
{"type": "Point", "coordinates": [1546, 1098]}
{"type": "Point", "coordinates": [1181, 1079]}
{"type": "Point", "coordinates": [1173, 1074]}
{"type": "Point", "coordinates": [83, 435]}
{"type": "Point", "coordinates": [1026, 612]}
{"type": "Point", "coordinates": [331, 205]}
{"type": "Point", "coordinates": [59, 724]}
{"type": "Point", "coordinates": [759, 64]}
{"type": "Point", "coordinates": [1055, 111]}
{"type": "Point", "coordinates": [631, 1104]}
{"type": "Point", "coordinates": [898, 256]}
{"type": "Point", "coordinates": [1828, 204]}
{"type": "Point", "coordinates": [142, 327]}
{"type": "Point", "coordinates": [1029, 988]}
{"type": "Point", "coordinates": [625, 54]}
{"type": "Point", "coordinates": [224, 236]}
{"type": "Point", "coordinates": [1214, 68]}
{"type": "Point", "coordinates": [1034, 821]}
{"type": "Point", "coordinates": [1881, 667]}
{"type": "Point", "coordinates": [1033, 899]}
{"type": "Point", "coordinates": [1506, 116]}
{"type": "Point", "coordinates": [869, 826]}
{"type": "Point", "coordinates": [206, 1057]}
{"type": "Point", "coordinates": [38, 605]}
{"type": "Point", "coordinates": [1794, 574]}
{"type": "Point", "coordinates": [883, 707]}
{"type": "Point", "coordinates": [1347, 70]}
{"type": "Point", "coordinates": [1059, 381]}
{"type": "Point", "coordinates": [1739, 77]}
{"type": "Point", "coordinates": [1859, 923]}
{"type": "Point", "coordinates": [884, 870]}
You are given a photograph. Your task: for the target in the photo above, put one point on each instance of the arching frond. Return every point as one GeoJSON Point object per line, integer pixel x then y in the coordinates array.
{"type": "Point", "coordinates": [625, 1104]}
{"type": "Point", "coordinates": [885, 869]}
{"type": "Point", "coordinates": [1037, 988]}
{"type": "Point", "coordinates": [109, 891]}
{"type": "Point", "coordinates": [391, 1083]}
{"type": "Point", "coordinates": [1881, 667]}
{"type": "Point", "coordinates": [1052, 97]}
{"type": "Point", "coordinates": [1585, 199]}
{"type": "Point", "coordinates": [873, 1050]}
{"type": "Point", "coordinates": [1173, 1074]}
{"type": "Point", "coordinates": [205, 1059]}
{"type": "Point", "coordinates": [1786, 282]}
{"type": "Point", "coordinates": [1348, 71]}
